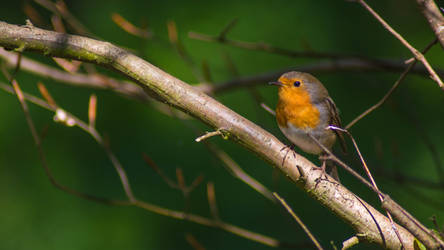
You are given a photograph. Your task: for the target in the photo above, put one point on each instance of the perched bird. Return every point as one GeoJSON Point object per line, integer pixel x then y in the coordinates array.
{"type": "Point", "coordinates": [304, 108]}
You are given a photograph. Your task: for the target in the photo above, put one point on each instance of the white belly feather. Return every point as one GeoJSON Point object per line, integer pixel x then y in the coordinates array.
{"type": "Point", "coordinates": [300, 138]}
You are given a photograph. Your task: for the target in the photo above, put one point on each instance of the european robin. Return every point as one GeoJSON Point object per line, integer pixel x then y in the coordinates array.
{"type": "Point", "coordinates": [304, 107]}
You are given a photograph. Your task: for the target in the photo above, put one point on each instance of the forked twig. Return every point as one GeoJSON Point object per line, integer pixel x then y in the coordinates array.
{"type": "Point", "coordinates": [392, 89]}
{"type": "Point", "coordinates": [418, 55]}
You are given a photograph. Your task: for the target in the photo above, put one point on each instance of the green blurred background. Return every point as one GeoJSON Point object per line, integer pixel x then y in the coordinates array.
{"type": "Point", "coordinates": [35, 215]}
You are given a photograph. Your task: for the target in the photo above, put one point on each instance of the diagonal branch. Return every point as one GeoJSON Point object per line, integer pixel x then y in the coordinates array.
{"type": "Point", "coordinates": [161, 85]}
{"type": "Point", "coordinates": [418, 55]}
{"type": "Point", "coordinates": [391, 90]}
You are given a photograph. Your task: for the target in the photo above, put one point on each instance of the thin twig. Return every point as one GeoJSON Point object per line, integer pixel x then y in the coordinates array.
{"type": "Point", "coordinates": [268, 109]}
{"type": "Point", "coordinates": [129, 27]}
{"type": "Point", "coordinates": [298, 220]}
{"type": "Point", "coordinates": [234, 169]}
{"type": "Point", "coordinates": [45, 93]}
{"type": "Point", "coordinates": [194, 242]}
{"type": "Point", "coordinates": [262, 46]}
{"type": "Point", "coordinates": [92, 110]}
{"type": "Point", "coordinates": [157, 169]}
{"type": "Point", "coordinates": [353, 241]}
{"type": "Point", "coordinates": [222, 35]}
{"type": "Point", "coordinates": [418, 55]}
{"type": "Point", "coordinates": [173, 36]}
{"type": "Point", "coordinates": [34, 15]}
{"type": "Point", "coordinates": [60, 8]}
{"type": "Point", "coordinates": [370, 176]}
{"type": "Point", "coordinates": [211, 223]}
{"type": "Point", "coordinates": [392, 89]}
{"type": "Point", "coordinates": [342, 164]}
{"type": "Point", "coordinates": [208, 135]}
{"type": "Point", "coordinates": [211, 194]}
{"type": "Point", "coordinates": [437, 227]}
{"type": "Point", "coordinates": [179, 185]}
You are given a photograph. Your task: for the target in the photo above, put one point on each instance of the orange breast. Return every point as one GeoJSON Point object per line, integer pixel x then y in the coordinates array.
{"type": "Point", "coordinates": [294, 106]}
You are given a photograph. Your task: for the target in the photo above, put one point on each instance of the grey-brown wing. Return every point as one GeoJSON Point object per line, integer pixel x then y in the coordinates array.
{"type": "Point", "coordinates": [335, 121]}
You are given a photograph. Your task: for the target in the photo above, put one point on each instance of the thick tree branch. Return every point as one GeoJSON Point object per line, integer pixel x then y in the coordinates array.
{"type": "Point", "coordinates": [366, 220]}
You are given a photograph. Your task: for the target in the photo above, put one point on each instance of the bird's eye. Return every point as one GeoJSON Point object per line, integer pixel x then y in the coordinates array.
{"type": "Point", "coordinates": [297, 83]}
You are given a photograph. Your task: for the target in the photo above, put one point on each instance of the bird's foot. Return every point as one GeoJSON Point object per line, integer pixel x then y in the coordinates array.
{"type": "Point", "coordinates": [324, 175]}
{"type": "Point", "coordinates": [288, 149]}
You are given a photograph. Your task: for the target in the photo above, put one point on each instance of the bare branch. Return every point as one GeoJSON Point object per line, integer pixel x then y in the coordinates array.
{"type": "Point", "coordinates": [59, 8]}
{"type": "Point", "coordinates": [129, 27]}
{"type": "Point", "coordinates": [234, 169]}
{"type": "Point", "coordinates": [211, 223]}
{"type": "Point", "coordinates": [261, 46]}
{"type": "Point", "coordinates": [268, 109]}
{"type": "Point", "coordinates": [96, 81]}
{"type": "Point", "coordinates": [157, 169]}
{"type": "Point", "coordinates": [193, 242]}
{"type": "Point", "coordinates": [92, 110]}
{"type": "Point", "coordinates": [211, 194]}
{"type": "Point", "coordinates": [208, 135]}
{"type": "Point", "coordinates": [298, 220]}
{"type": "Point", "coordinates": [391, 90]}
{"type": "Point", "coordinates": [349, 243]}
{"type": "Point", "coordinates": [45, 93]}
{"type": "Point", "coordinates": [418, 55]}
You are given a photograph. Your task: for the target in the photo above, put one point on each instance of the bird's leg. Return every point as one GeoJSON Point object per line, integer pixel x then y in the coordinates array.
{"type": "Point", "coordinates": [324, 176]}
{"type": "Point", "coordinates": [288, 148]}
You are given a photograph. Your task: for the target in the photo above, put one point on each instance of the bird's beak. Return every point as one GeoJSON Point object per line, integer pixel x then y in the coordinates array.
{"type": "Point", "coordinates": [276, 83]}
